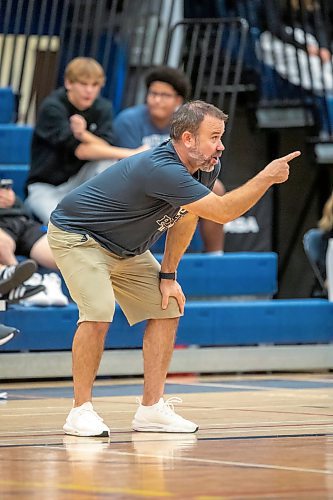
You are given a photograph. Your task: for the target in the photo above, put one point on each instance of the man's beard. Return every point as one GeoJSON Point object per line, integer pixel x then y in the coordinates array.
{"type": "Point", "coordinates": [201, 161]}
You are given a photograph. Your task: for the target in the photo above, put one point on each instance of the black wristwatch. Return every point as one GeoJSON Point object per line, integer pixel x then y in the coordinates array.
{"type": "Point", "coordinates": [168, 276]}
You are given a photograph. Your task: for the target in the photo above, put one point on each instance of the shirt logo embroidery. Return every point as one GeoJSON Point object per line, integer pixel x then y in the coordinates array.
{"type": "Point", "coordinates": [166, 222]}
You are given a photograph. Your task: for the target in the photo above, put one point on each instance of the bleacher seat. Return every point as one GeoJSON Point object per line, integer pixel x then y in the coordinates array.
{"type": "Point", "coordinates": [7, 105]}
{"type": "Point", "coordinates": [19, 174]}
{"type": "Point", "coordinates": [208, 323]}
{"type": "Point", "coordinates": [15, 141]}
{"type": "Point", "coordinates": [233, 274]}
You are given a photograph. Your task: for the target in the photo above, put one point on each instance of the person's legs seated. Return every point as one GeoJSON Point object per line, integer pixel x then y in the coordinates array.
{"type": "Point", "coordinates": [24, 236]}
{"type": "Point", "coordinates": [42, 199]}
{"type": "Point", "coordinates": [7, 244]}
{"type": "Point", "coordinates": [212, 233]}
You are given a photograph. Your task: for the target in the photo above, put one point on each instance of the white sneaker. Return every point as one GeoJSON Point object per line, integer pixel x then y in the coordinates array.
{"type": "Point", "coordinates": [161, 417]}
{"type": "Point", "coordinates": [51, 296]}
{"type": "Point", "coordinates": [84, 421]}
{"type": "Point", "coordinates": [39, 299]}
{"type": "Point", "coordinates": [52, 283]}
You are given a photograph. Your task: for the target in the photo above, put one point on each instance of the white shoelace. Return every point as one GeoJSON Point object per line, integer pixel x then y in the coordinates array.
{"type": "Point", "coordinates": [169, 404]}
{"type": "Point", "coordinates": [89, 410]}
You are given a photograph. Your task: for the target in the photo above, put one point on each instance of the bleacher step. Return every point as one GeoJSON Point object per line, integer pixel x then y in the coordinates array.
{"type": "Point", "coordinates": [232, 274]}
{"type": "Point", "coordinates": [206, 323]}
{"type": "Point", "coordinates": [19, 175]}
{"type": "Point", "coordinates": [15, 141]}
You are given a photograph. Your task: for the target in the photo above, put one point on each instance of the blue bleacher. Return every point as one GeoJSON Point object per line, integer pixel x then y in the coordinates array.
{"type": "Point", "coordinates": [208, 321]}
{"type": "Point", "coordinates": [215, 323]}
{"type": "Point", "coordinates": [233, 274]}
{"type": "Point", "coordinates": [7, 105]}
{"type": "Point", "coordinates": [15, 141]}
{"type": "Point", "coordinates": [19, 175]}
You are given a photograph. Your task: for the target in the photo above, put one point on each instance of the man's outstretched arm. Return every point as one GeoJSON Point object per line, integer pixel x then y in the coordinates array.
{"type": "Point", "coordinates": [235, 203]}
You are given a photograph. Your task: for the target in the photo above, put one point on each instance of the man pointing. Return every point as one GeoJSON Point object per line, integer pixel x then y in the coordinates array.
{"type": "Point", "coordinates": [101, 233]}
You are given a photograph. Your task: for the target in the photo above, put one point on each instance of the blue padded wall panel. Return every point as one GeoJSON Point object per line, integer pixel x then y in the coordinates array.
{"type": "Point", "coordinates": [15, 141]}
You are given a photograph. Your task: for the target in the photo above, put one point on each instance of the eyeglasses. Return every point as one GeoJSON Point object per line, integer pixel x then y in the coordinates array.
{"type": "Point", "coordinates": [162, 95]}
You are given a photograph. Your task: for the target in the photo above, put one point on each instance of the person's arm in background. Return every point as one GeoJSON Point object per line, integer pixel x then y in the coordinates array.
{"type": "Point", "coordinates": [54, 127]}
{"type": "Point", "coordinates": [93, 147]}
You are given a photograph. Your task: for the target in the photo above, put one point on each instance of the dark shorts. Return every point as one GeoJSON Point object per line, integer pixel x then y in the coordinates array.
{"type": "Point", "coordinates": [25, 232]}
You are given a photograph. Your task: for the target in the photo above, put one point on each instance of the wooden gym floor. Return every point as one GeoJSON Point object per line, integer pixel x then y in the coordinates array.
{"type": "Point", "coordinates": [260, 437]}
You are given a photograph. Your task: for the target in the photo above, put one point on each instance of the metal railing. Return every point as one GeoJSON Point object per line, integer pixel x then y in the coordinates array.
{"type": "Point", "coordinates": [211, 53]}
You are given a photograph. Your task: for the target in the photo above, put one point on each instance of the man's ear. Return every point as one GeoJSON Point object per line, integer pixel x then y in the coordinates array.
{"type": "Point", "coordinates": [188, 139]}
{"type": "Point", "coordinates": [67, 84]}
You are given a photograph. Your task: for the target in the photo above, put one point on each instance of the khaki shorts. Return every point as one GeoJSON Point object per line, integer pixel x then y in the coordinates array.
{"type": "Point", "coordinates": [97, 278]}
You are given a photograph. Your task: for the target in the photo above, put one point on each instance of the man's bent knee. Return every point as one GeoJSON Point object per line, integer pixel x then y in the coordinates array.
{"type": "Point", "coordinates": [96, 327]}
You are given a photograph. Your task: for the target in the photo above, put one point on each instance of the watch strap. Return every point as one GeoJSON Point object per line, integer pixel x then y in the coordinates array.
{"type": "Point", "coordinates": [168, 276]}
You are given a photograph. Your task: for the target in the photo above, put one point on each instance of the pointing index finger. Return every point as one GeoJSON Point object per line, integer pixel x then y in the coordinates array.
{"type": "Point", "coordinates": [291, 156]}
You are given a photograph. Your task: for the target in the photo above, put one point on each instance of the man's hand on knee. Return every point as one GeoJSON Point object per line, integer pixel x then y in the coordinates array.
{"type": "Point", "coordinates": [170, 288]}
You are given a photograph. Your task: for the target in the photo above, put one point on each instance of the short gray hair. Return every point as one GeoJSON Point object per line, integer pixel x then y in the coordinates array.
{"type": "Point", "coordinates": [190, 115]}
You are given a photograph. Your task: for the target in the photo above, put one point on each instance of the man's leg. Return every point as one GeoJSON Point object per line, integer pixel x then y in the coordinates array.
{"type": "Point", "coordinates": [7, 249]}
{"type": "Point", "coordinates": [154, 414]}
{"type": "Point", "coordinates": [158, 346]}
{"type": "Point", "coordinates": [88, 346]}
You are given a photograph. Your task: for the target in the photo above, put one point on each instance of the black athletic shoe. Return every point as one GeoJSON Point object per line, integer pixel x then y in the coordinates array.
{"type": "Point", "coordinates": [12, 276]}
{"type": "Point", "coordinates": [7, 333]}
{"type": "Point", "coordinates": [22, 292]}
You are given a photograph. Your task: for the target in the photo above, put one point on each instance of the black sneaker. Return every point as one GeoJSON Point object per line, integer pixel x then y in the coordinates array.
{"type": "Point", "coordinates": [21, 292]}
{"type": "Point", "coordinates": [12, 276]}
{"type": "Point", "coordinates": [7, 333]}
